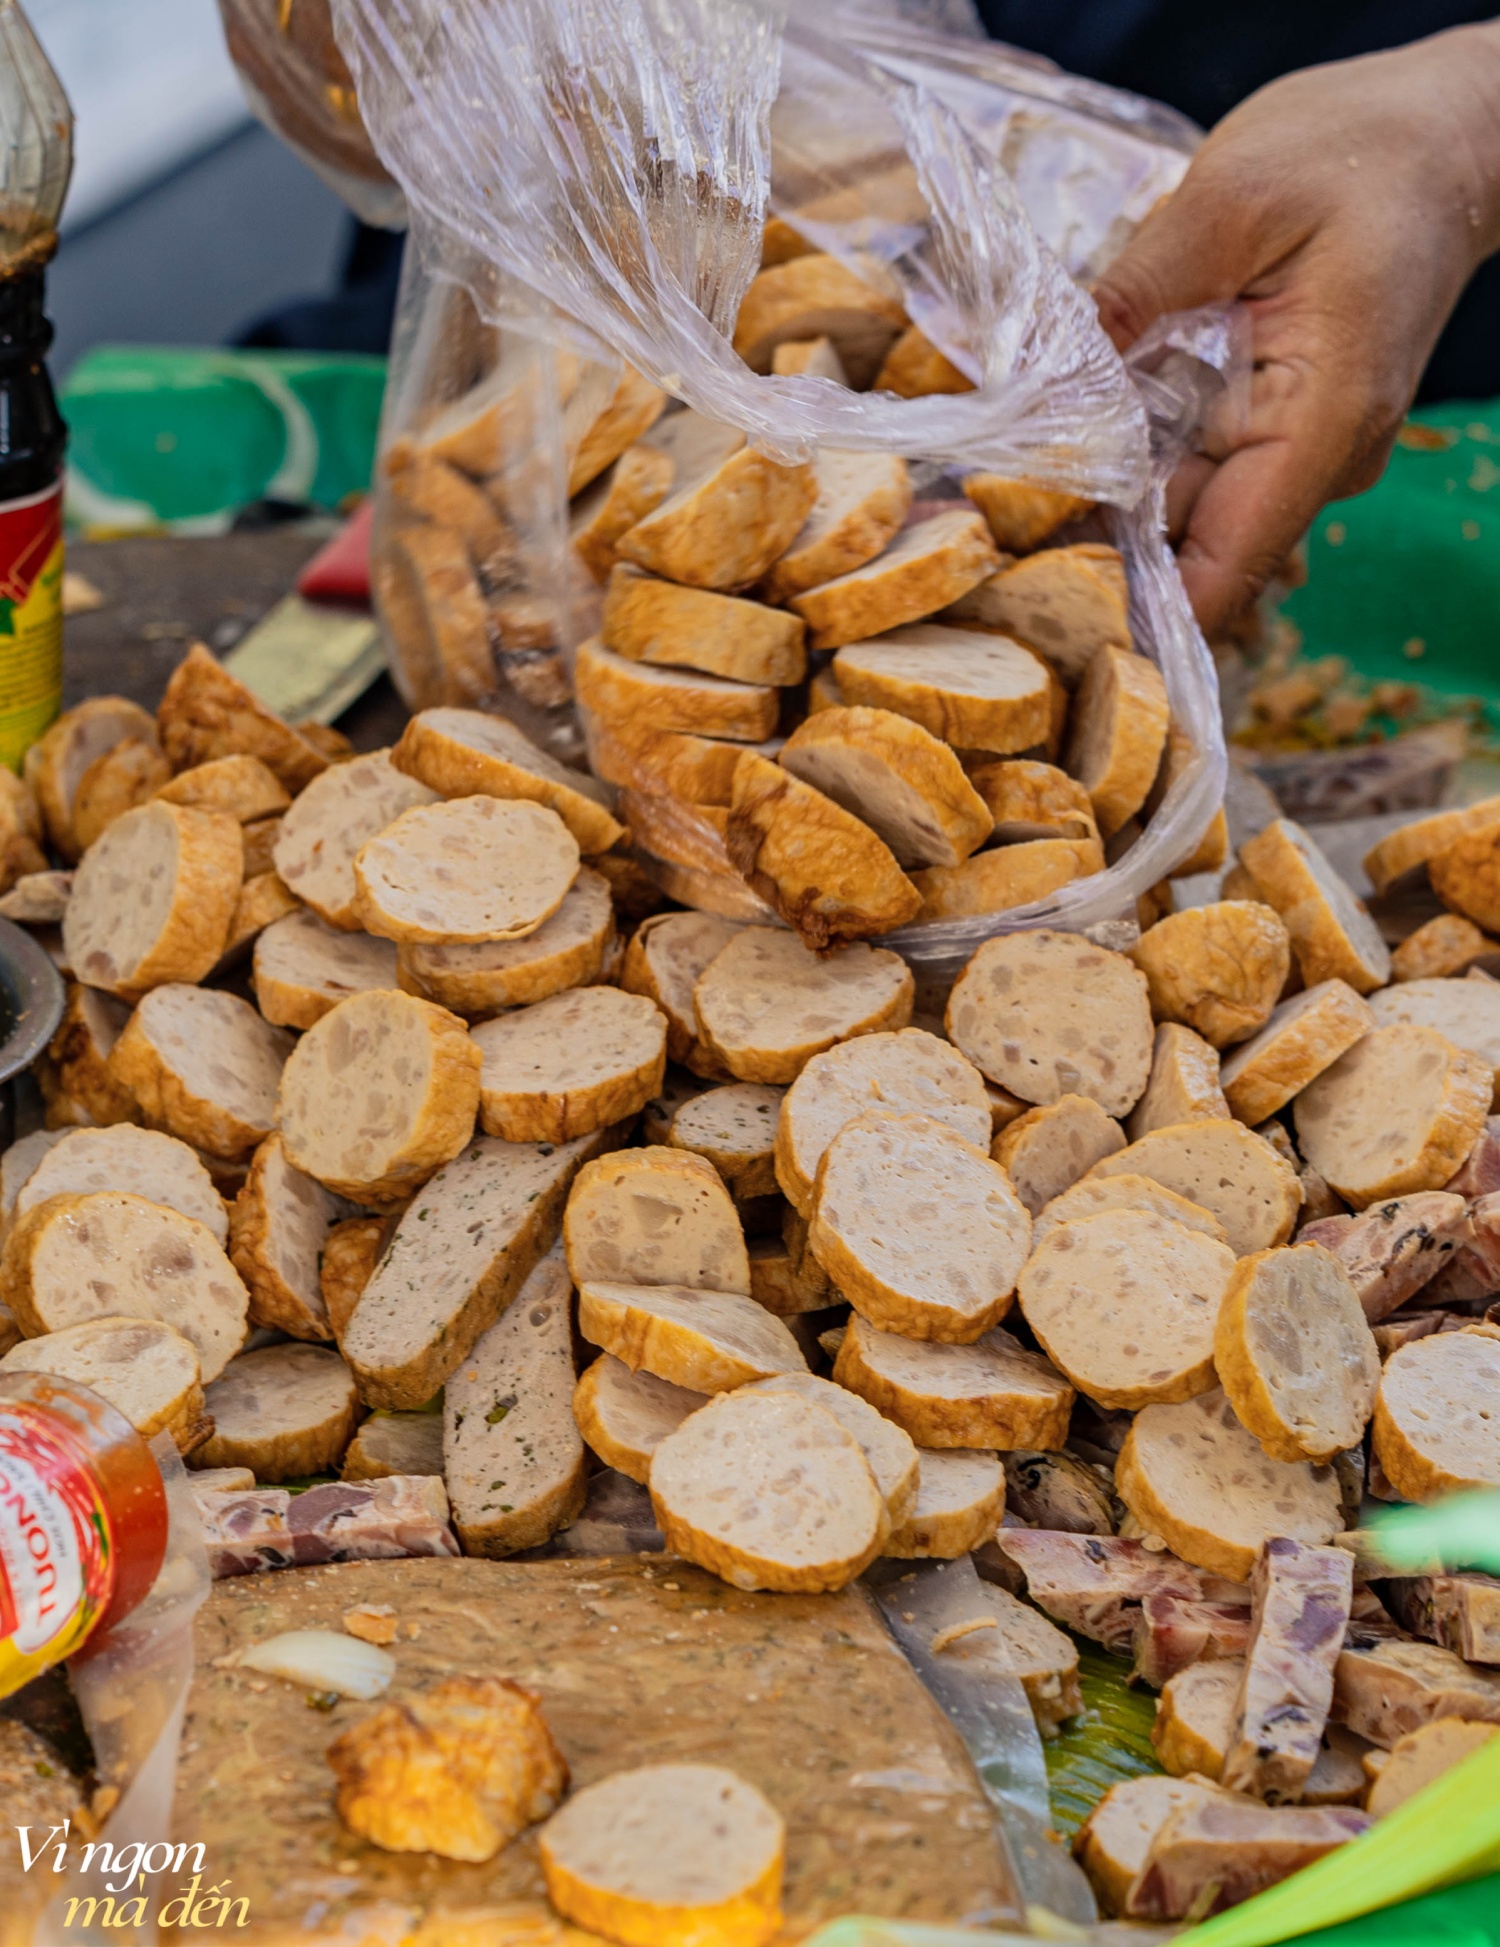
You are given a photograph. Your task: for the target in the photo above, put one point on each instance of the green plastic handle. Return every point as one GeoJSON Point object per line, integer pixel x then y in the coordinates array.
{"type": "Point", "coordinates": [1448, 1832]}
{"type": "Point", "coordinates": [1461, 1532]}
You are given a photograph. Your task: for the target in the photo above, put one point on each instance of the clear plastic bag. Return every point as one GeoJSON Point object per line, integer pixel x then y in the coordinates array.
{"type": "Point", "coordinates": [296, 82]}
{"type": "Point", "coordinates": [617, 158]}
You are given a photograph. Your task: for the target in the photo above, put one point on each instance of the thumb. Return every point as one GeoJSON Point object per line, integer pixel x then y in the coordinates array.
{"type": "Point", "coordinates": [1192, 249]}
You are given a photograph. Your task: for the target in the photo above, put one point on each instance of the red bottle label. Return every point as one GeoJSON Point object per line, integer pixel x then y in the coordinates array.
{"type": "Point", "coordinates": [31, 566]}
{"type": "Point", "coordinates": [57, 1551]}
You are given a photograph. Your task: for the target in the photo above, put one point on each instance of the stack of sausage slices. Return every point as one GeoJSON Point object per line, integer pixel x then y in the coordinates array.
{"type": "Point", "coordinates": [823, 698]}
{"type": "Point", "coordinates": [1129, 1274]}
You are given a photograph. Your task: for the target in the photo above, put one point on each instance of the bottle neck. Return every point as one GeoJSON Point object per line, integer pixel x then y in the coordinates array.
{"type": "Point", "coordinates": [25, 329]}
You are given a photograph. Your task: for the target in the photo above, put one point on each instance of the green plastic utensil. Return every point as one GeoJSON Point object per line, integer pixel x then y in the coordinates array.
{"type": "Point", "coordinates": [1461, 1532]}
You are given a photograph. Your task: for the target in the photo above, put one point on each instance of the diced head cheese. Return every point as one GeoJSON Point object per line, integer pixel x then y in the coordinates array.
{"type": "Point", "coordinates": [331, 820]}
{"type": "Point", "coordinates": [1124, 1303]}
{"type": "Point", "coordinates": [1295, 1355]}
{"type": "Point", "coordinates": [769, 1491]}
{"type": "Point", "coordinates": [1050, 1014]}
{"type": "Point", "coordinates": [655, 1216]}
{"type": "Point", "coordinates": [918, 1229]}
{"type": "Point", "coordinates": [909, 1071]}
{"type": "Point", "coordinates": [1193, 1475]}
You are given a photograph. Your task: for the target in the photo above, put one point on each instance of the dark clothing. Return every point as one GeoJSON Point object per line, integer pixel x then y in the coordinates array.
{"type": "Point", "coordinates": [1199, 56]}
{"type": "Point", "coordinates": [1204, 58]}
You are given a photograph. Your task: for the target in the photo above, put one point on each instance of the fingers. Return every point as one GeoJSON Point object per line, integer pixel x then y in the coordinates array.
{"type": "Point", "coordinates": [1191, 250]}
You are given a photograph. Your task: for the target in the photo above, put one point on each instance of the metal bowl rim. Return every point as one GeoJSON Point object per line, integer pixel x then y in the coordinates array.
{"type": "Point", "coordinates": [37, 994]}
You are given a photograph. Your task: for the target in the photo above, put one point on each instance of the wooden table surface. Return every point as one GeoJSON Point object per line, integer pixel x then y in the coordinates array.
{"type": "Point", "coordinates": [162, 592]}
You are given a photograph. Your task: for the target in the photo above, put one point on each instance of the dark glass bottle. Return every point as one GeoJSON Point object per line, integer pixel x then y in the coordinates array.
{"type": "Point", "coordinates": [36, 153]}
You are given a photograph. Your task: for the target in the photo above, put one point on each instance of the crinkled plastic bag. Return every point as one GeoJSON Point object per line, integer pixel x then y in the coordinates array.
{"type": "Point", "coordinates": [596, 173]}
{"type": "Point", "coordinates": [296, 82]}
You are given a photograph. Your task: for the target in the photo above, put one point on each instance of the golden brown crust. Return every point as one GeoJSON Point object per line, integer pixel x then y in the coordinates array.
{"type": "Point", "coordinates": [350, 1253]}
{"type": "Point", "coordinates": [548, 1087]}
{"type": "Point", "coordinates": [59, 759]}
{"type": "Point", "coordinates": [824, 871]}
{"type": "Point", "coordinates": [635, 695]}
{"type": "Point", "coordinates": [1119, 726]}
{"type": "Point", "coordinates": [446, 1113]}
{"type": "Point", "coordinates": [1404, 849]}
{"type": "Point", "coordinates": [1184, 1084]}
{"type": "Point", "coordinates": [653, 621]}
{"type": "Point", "coordinates": [957, 711]}
{"type": "Point", "coordinates": [1217, 969]}
{"type": "Point", "coordinates": [116, 782]}
{"type": "Point", "coordinates": [641, 481]}
{"type": "Point", "coordinates": [240, 785]}
{"type": "Point", "coordinates": [815, 295]}
{"type": "Point", "coordinates": [1332, 934]}
{"type": "Point", "coordinates": [1022, 517]}
{"type": "Point", "coordinates": [1064, 603]}
{"type": "Point", "coordinates": [1443, 947]}
{"type": "Point", "coordinates": [724, 532]}
{"type": "Point", "coordinates": [435, 490]}
{"type": "Point", "coordinates": [1025, 1407]}
{"type": "Point", "coordinates": [926, 567]}
{"type": "Point", "coordinates": [206, 886]}
{"type": "Point", "coordinates": [904, 782]}
{"type": "Point", "coordinates": [1435, 1412]}
{"type": "Point", "coordinates": [698, 769]}
{"type": "Point", "coordinates": [1303, 1037]}
{"type": "Point", "coordinates": [914, 368]}
{"type": "Point", "coordinates": [432, 599]}
{"type": "Point", "coordinates": [1465, 875]}
{"type": "Point", "coordinates": [1006, 876]}
{"type": "Point", "coordinates": [1363, 1125]}
{"type": "Point", "coordinates": [455, 769]}
{"type": "Point", "coordinates": [208, 713]}
{"type": "Point", "coordinates": [842, 532]}
{"type": "Point", "coordinates": [272, 1300]}
{"type": "Point", "coordinates": [169, 1103]}
{"type": "Point", "coordinates": [76, 1065]}
{"type": "Point", "coordinates": [1263, 1378]}
{"type": "Point", "coordinates": [1027, 799]}
{"type": "Point", "coordinates": [634, 408]}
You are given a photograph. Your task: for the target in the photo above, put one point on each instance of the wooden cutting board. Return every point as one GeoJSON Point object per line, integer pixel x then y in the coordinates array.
{"type": "Point", "coordinates": [637, 1660]}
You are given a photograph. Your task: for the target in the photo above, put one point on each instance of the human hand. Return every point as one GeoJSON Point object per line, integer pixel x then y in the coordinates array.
{"type": "Point", "coordinates": [1346, 206]}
